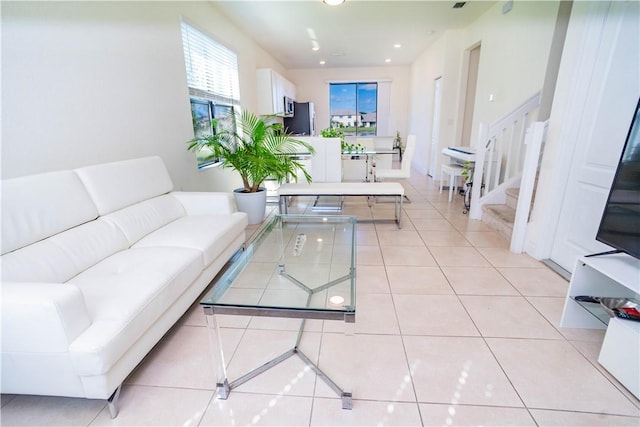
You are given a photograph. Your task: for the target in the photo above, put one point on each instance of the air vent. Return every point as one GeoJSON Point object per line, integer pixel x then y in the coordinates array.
{"type": "Point", "coordinates": [459, 4]}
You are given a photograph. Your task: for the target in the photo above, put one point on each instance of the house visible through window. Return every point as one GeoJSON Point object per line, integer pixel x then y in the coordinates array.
{"type": "Point", "coordinates": [354, 108]}
{"type": "Point", "coordinates": [212, 77]}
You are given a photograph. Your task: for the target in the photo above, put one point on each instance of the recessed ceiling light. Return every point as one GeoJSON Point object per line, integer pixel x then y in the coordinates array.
{"type": "Point", "coordinates": [315, 48]}
{"type": "Point", "coordinates": [397, 45]}
{"type": "Point", "coordinates": [333, 2]}
{"type": "Point", "coordinates": [322, 62]}
{"type": "Point", "coordinates": [387, 60]}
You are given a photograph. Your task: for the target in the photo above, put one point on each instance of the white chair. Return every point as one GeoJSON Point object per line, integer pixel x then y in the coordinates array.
{"type": "Point", "coordinates": [326, 166]}
{"type": "Point", "coordinates": [356, 167]}
{"type": "Point", "coordinates": [453, 171]}
{"type": "Point", "coordinates": [383, 144]}
{"type": "Point", "coordinates": [404, 172]}
{"type": "Point", "coordinates": [405, 165]}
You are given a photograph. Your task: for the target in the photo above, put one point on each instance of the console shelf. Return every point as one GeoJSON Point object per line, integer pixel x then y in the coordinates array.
{"type": "Point", "coordinates": [596, 311]}
{"type": "Point", "coordinates": [608, 276]}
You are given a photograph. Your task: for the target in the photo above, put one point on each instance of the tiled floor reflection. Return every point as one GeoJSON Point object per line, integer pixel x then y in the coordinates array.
{"type": "Point", "coordinates": [452, 329]}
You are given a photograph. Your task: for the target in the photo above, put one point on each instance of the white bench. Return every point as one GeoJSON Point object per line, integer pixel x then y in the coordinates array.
{"type": "Point", "coordinates": [369, 189]}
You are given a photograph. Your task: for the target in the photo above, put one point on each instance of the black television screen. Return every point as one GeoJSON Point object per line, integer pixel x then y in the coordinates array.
{"type": "Point", "coordinates": [620, 224]}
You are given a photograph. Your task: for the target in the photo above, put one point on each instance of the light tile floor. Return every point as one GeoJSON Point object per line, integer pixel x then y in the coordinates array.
{"type": "Point", "coordinates": [452, 329]}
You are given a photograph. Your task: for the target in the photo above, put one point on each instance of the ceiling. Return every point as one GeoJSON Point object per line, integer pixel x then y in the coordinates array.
{"type": "Point", "coordinates": [358, 33]}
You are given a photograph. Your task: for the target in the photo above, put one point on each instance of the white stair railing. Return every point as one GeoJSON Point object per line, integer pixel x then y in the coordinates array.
{"type": "Point", "coordinates": [536, 135]}
{"type": "Point", "coordinates": [500, 156]}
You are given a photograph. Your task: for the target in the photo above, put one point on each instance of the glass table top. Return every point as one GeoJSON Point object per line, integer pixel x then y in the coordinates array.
{"type": "Point", "coordinates": [297, 262]}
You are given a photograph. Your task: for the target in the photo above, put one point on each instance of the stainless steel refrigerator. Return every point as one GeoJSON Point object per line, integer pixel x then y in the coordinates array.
{"type": "Point", "coordinates": [303, 121]}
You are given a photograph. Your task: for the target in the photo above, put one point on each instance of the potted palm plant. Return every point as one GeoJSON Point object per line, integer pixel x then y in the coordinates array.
{"type": "Point", "coordinates": [258, 148]}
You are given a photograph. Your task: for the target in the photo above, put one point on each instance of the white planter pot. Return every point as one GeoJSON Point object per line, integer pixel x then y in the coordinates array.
{"type": "Point", "coordinates": [254, 204]}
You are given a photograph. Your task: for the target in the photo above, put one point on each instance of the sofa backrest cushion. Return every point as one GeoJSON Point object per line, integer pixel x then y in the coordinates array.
{"type": "Point", "coordinates": [138, 220]}
{"type": "Point", "coordinates": [116, 185]}
{"type": "Point", "coordinates": [65, 255]}
{"type": "Point", "coordinates": [38, 206]}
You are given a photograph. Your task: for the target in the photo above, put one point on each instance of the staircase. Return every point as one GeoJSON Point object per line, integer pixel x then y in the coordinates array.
{"type": "Point", "coordinates": [506, 165]}
{"type": "Point", "coordinates": [502, 217]}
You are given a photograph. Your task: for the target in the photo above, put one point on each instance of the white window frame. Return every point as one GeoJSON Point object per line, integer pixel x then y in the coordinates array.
{"type": "Point", "coordinates": [212, 72]}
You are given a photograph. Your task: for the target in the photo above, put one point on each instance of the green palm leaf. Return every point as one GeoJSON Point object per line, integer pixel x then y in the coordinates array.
{"type": "Point", "coordinates": [254, 146]}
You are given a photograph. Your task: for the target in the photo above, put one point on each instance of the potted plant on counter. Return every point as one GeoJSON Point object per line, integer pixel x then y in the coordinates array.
{"type": "Point", "coordinates": [258, 148]}
{"type": "Point", "coordinates": [334, 132]}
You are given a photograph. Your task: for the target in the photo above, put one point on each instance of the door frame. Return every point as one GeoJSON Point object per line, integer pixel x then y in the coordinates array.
{"type": "Point", "coordinates": [432, 168]}
{"type": "Point", "coordinates": [465, 94]}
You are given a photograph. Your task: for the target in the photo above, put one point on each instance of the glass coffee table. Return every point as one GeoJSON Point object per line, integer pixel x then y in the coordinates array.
{"type": "Point", "coordinates": [310, 261]}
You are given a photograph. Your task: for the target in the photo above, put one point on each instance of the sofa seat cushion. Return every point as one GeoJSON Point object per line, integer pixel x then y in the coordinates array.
{"type": "Point", "coordinates": [209, 234]}
{"type": "Point", "coordinates": [125, 294]}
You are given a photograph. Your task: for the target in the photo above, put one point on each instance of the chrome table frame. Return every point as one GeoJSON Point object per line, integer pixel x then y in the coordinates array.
{"type": "Point", "coordinates": [348, 315]}
{"type": "Point", "coordinates": [370, 190]}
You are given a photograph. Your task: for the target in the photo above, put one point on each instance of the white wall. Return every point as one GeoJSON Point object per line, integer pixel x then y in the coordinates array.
{"type": "Point", "coordinates": [513, 59]}
{"type": "Point", "coordinates": [90, 82]}
{"type": "Point", "coordinates": [442, 59]}
{"type": "Point", "coordinates": [313, 85]}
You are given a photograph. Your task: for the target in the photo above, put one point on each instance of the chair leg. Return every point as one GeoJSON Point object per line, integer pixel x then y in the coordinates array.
{"type": "Point", "coordinates": [451, 181]}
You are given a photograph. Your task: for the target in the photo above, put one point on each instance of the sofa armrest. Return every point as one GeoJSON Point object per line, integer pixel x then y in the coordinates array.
{"type": "Point", "coordinates": [41, 317]}
{"type": "Point", "coordinates": [206, 203]}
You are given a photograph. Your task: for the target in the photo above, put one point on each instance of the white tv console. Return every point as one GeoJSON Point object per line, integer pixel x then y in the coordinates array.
{"type": "Point", "coordinates": [615, 275]}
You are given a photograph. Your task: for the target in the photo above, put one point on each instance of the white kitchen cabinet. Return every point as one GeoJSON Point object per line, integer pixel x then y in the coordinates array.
{"type": "Point", "coordinates": [289, 89]}
{"type": "Point", "coordinates": [272, 90]}
{"type": "Point", "coordinates": [608, 276]}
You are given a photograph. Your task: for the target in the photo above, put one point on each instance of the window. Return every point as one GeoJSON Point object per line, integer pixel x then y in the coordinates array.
{"type": "Point", "coordinates": [212, 77]}
{"type": "Point", "coordinates": [202, 116]}
{"type": "Point", "coordinates": [354, 108]}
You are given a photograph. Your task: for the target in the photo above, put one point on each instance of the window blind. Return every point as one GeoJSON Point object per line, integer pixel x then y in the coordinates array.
{"type": "Point", "coordinates": [212, 69]}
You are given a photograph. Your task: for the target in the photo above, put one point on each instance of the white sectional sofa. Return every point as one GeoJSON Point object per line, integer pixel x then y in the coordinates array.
{"type": "Point", "coordinates": [97, 264]}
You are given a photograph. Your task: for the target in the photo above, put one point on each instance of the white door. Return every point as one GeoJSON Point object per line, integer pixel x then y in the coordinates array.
{"type": "Point", "coordinates": [435, 130]}
{"type": "Point", "coordinates": [597, 123]}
